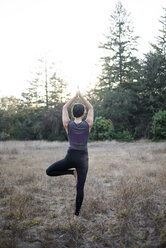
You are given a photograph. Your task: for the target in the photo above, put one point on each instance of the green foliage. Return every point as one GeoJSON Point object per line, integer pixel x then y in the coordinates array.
{"type": "Point", "coordinates": [52, 124]}
{"type": "Point", "coordinates": [153, 83]}
{"type": "Point", "coordinates": [56, 90]}
{"type": "Point", "coordinates": [161, 39]}
{"type": "Point", "coordinates": [159, 125]}
{"type": "Point", "coordinates": [4, 136]}
{"type": "Point", "coordinates": [129, 92]}
{"type": "Point", "coordinates": [37, 124]}
{"type": "Point", "coordinates": [46, 89]}
{"type": "Point", "coordinates": [122, 105]}
{"type": "Point", "coordinates": [120, 63]}
{"type": "Point", "coordinates": [124, 136]}
{"type": "Point", "coordinates": [102, 129]}
{"type": "Point", "coordinates": [26, 125]}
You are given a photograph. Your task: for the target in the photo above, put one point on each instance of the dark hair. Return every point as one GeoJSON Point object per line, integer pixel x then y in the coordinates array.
{"type": "Point", "coordinates": [78, 110]}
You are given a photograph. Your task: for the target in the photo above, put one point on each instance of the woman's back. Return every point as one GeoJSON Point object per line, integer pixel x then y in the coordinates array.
{"type": "Point", "coordinates": [78, 134]}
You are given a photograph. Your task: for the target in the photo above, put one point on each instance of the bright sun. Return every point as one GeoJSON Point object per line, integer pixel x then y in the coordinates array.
{"type": "Point", "coordinates": [68, 33]}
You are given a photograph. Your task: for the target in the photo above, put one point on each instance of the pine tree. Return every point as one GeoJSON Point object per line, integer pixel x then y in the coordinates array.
{"type": "Point", "coordinates": [119, 61]}
{"type": "Point", "coordinates": [152, 91]}
{"type": "Point", "coordinates": [154, 72]}
{"type": "Point", "coordinates": [57, 90]}
{"type": "Point", "coordinates": [117, 87]}
{"type": "Point", "coordinates": [31, 96]}
{"type": "Point", "coordinates": [160, 47]}
{"type": "Point", "coordinates": [47, 89]}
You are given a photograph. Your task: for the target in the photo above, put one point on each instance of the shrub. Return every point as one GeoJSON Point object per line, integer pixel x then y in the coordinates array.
{"type": "Point", "coordinates": [26, 125]}
{"type": "Point", "coordinates": [159, 125]}
{"type": "Point", "coordinates": [124, 136]}
{"type": "Point", "coordinates": [102, 129]}
{"type": "Point", "coordinates": [4, 136]}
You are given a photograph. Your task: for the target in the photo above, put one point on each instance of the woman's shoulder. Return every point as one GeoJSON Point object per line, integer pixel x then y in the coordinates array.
{"type": "Point", "coordinates": [86, 123]}
{"type": "Point", "coordinates": [70, 123]}
{"type": "Point", "coordinates": [83, 123]}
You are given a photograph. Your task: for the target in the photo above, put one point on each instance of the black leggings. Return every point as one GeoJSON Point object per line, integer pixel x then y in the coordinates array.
{"type": "Point", "coordinates": [74, 159]}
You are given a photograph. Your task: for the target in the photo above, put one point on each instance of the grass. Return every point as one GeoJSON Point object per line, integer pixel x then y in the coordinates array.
{"type": "Point", "coordinates": [124, 204]}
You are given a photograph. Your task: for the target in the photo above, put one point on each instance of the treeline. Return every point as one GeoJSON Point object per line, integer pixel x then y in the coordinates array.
{"type": "Point", "coordinates": [131, 91]}
{"type": "Point", "coordinates": [129, 98]}
{"type": "Point", "coordinates": [37, 115]}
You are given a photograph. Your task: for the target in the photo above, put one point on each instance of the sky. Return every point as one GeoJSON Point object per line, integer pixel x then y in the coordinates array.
{"type": "Point", "coordinates": [66, 32]}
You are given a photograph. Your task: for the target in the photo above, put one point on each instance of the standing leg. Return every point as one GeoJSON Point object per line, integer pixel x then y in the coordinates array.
{"type": "Point", "coordinates": [82, 173]}
{"type": "Point", "coordinates": [60, 168]}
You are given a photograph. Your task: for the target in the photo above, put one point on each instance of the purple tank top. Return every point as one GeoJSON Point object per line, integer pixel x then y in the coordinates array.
{"type": "Point", "coordinates": [78, 134]}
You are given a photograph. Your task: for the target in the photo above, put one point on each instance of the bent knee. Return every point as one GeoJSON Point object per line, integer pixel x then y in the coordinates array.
{"type": "Point", "coordinates": [47, 172]}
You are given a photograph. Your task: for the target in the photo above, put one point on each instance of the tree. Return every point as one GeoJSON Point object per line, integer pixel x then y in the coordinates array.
{"type": "Point", "coordinates": [57, 90]}
{"type": "Point", "coordinates": [159, 125]}
{"type": "Point", "coordinates": [46, 89]}
{"type": "Point", "coordinates": [102, 129]}
{"type": "Point", "coordinates": [153, 79]}
{"type": "Point", "coordinates": [9, 104]}
{"type": "Point", "coordinates": [27, 124]}
{"type": "Point", "coordinates": [160, 47]}
{"type": "Point", "coordinates": [118, 83]}
{"type": "Point", "coordinates": [52, 85]}
{"type": "Point", "coordinates": [32, 96]}
{"type": "Point", "coordinates": [8, 108]}
{"type": "Point", "coordinates": [52, 124]}
{"type": "Point", "coordinates": [119, 61]}
{"type": "Point", "coordinates": [151, 87]}
{"type": "Point", "coordinates": [154, 82]}
{"type": "Point", "coordinates": [130, 92]}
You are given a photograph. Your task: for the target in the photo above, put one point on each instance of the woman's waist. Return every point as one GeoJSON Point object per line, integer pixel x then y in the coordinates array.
{"type": "Point", "coordinates": [73, 150]}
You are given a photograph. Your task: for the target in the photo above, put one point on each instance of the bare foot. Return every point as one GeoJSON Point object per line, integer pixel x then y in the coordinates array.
{"type": "Point", "coordinates": [76, 176]}
{"type": "Point", "coordinates": [76, 218]}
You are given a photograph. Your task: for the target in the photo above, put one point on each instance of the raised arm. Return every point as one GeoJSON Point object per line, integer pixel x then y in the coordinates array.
{"type": "Point", "coordinates": [65, 115]}
{"type": "Point", "coordinates": [90, 116]}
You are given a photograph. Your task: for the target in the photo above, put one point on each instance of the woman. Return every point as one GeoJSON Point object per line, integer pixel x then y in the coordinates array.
{"type": "Point", "coordinates": [77, 154]}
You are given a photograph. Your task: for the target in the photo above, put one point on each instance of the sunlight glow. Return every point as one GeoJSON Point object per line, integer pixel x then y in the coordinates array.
{"type": "Point", "coordinates": [67, 33]}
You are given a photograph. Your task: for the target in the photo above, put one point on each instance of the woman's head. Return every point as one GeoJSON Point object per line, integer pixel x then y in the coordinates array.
{"type": "Point", "coordinates": [78, 110]}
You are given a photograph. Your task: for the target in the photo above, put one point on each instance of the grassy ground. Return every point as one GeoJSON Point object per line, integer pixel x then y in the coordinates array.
{"type": "Point", "coordinates": [124, 204]}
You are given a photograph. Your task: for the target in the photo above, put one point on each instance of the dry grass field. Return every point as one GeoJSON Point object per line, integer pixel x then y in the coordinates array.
{"type": "Point", "coordinates": [124, 204]}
